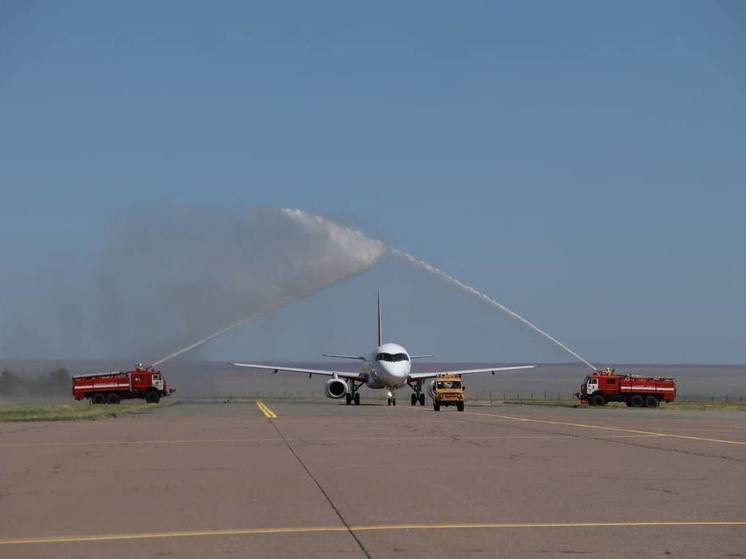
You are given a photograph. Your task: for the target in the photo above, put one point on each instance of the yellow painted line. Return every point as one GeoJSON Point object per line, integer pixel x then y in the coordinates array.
{"type": "Point", "coordinates": [261, 407]}
{"type": "Point", "coordinates": [609, 428]}
{"type": "Point", "coordinates": [268, 413]}
{"type": "Point", "coordinates": [139, 443]}
{"type": "Point", "coordinates": [165, 535]}
{"type": "Point", "coordinates": [373, 528]}
{"type": "Point", "coordinates": [271, 413]}
{"type": "Point", "coordinates": [455, 438]}
{"type": "Point", "coordinates": [299, 439]}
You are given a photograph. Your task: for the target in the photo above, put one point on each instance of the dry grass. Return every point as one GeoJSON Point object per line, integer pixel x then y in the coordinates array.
{"type": "Point", "coordinates": [76, 411]}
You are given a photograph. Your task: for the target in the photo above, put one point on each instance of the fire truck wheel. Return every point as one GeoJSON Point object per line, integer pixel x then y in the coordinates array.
{"type": "Point", "coordinates": [460, 406]}
{"type": "Point", "coordinates": [636, 401]}
{"type": "Point", "coordinates": [112, 398]}
{"type": "Point", "coordinates": [422, 399]}
{"type": "Point", "coordinates": [436, 406]}
{"type": "Point", "coordinates": [651, 401]}
{"type": "Point", "coordinates": [598, 400]}
{"type": "Point", "coordinates": [152, 397]}
{"type": "Point", "coordinates": [98, 398]}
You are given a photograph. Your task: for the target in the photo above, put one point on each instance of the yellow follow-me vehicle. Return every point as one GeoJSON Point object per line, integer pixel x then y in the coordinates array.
{"type": "Point", "coordinates": [448, 390]}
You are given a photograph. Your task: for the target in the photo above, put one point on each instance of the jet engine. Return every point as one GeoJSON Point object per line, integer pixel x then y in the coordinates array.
{"type": "Point", "coordinates": [431, 388]}
{"type": "Point", "coordinates": [336, 388]}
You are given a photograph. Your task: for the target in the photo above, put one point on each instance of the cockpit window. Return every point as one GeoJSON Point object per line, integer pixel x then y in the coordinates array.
{"type": "Point", "coordinates": [392, 357]}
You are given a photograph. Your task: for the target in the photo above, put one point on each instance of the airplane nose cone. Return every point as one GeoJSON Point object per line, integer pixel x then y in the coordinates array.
{"type": "Point", "coordinates": [396, 370]}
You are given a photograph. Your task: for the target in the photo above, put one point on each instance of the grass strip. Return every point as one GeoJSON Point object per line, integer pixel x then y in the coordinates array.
{"type": "Point", "coordinates": [76, 411]}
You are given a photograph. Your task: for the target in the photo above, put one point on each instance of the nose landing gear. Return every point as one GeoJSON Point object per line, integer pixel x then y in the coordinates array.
{"type": "Point", "coordinates": [392, 398]}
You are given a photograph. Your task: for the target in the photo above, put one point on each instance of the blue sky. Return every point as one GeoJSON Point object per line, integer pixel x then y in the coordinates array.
{"type": "Point", "coordinates": [582, 162]}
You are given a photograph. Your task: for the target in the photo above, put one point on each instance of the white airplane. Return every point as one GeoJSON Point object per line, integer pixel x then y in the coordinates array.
{"type": "Point", "coordinates": [388, 367]}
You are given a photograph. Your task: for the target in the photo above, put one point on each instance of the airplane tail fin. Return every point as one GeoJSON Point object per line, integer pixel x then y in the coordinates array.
{"type": "Point", "coordinates": [380, 321]}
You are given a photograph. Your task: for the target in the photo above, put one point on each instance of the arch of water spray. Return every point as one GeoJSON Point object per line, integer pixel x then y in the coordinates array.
{"type": "Point", "coordinates": [369, 251]}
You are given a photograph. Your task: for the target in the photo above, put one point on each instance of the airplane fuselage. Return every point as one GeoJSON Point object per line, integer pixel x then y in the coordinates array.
{"type": "Point", "coordinates": [388, 366]}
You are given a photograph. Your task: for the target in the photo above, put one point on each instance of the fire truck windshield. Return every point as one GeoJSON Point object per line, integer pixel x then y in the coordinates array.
{"type": "Point", "coordinates": [448, 384]}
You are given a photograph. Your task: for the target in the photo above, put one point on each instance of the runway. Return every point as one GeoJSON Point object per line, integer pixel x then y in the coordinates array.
{"type": "Point", "coordinates": [290, 479]}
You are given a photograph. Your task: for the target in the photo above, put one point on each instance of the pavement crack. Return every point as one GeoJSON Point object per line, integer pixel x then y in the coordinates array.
{"type": "Point", "coordinates": [322, 490]}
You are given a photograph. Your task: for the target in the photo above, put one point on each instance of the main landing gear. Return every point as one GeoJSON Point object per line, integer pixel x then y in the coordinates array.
{"type": "Point", "coordinates": [353, 396]}
{"type": "Point", "coordinates": [418, 395]}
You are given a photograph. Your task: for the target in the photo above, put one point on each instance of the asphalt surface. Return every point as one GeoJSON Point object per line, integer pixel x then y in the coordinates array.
{"type": "Point", "coordinates": [327, 480]}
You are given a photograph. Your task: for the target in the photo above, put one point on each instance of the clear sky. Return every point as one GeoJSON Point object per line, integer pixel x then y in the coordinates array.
{"type": "Point", "coordinates": [584, 162]}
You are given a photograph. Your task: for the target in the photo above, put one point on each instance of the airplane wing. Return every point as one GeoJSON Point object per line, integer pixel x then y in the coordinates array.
{"type": "Point", "coordinates": [345, 356]}
{"type": "Point", "coordinates": [276, 368]}
{"type": "Point", "coordinates": [433, 374]}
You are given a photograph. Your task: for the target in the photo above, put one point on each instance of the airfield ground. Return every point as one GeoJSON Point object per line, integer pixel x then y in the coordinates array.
{"type": "Point", "coordinates": [326, 480]}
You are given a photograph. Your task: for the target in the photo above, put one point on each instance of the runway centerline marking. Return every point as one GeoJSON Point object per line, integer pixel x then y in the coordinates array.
{"type": "Point", "coordinates": [372, 528]}
{"type": "Point", "coordinates": [264, 408]}
{"type": "Point", "coordinates": [609, 428]}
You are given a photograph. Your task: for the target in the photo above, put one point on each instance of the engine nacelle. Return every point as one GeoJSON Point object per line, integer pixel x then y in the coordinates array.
{"type": "Point", "coordinates": [336, 388]}
{"type": "Point", "coordinates": [431, 388]}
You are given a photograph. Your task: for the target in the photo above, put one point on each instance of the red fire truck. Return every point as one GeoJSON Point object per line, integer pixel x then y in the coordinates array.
{"type": "Point", "coordinates": [636, 391]}
{"type": "Point", "coordinates": [113, 386]}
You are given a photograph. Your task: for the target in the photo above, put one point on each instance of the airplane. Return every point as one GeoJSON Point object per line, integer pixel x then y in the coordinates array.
{"type": "Point", "coordinates": [387, 367]}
